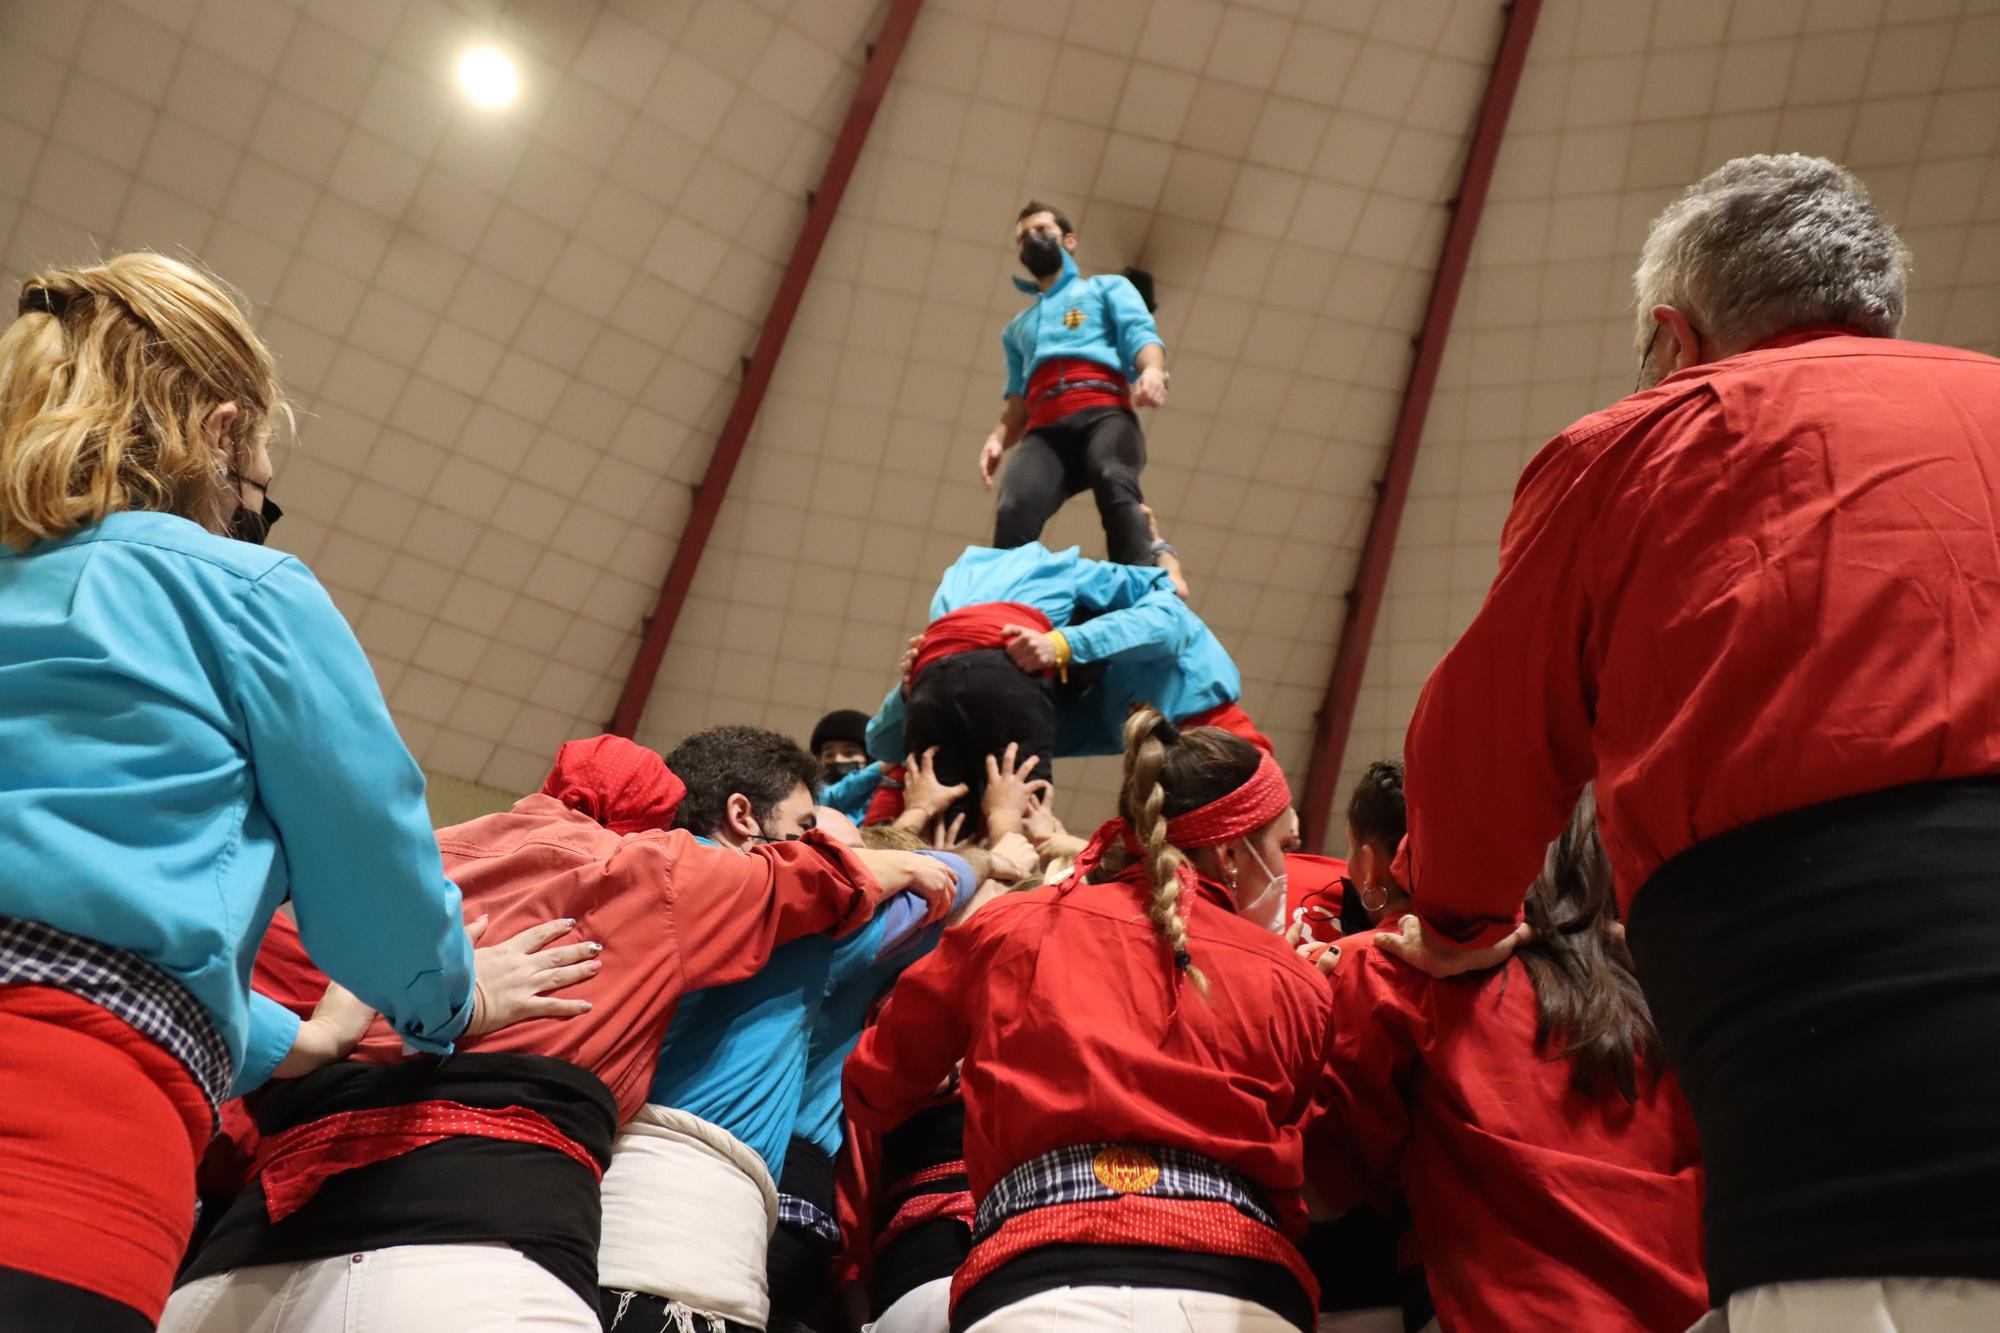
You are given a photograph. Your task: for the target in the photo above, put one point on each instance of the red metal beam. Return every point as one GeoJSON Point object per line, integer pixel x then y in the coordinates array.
{"type": "Point", "coordinates": [823, 204]}
{"type": "Point", "coordinates": [1364, 599]}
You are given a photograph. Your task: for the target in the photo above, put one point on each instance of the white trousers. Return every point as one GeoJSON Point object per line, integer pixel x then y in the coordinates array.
{"type": "Point", "coordinates": [925, 1308]}
{"type": "Point", "coordinates": [402, 1289]}
{"type": "Point", "coordinates": [1860, 1305]}
{"type": "Point", "coordinates": [1132, 1310]}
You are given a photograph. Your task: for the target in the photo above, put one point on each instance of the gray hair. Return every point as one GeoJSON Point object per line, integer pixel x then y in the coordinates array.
{"type": "Point", "coordinates": [1769, 243]}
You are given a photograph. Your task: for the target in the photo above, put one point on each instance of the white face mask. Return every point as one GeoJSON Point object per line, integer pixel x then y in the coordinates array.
{"type": "Point", "coordinates": [1267, 909]}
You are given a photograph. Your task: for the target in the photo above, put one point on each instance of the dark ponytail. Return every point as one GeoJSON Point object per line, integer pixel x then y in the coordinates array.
{"type": "Point", "coordinates": [1587, 995]}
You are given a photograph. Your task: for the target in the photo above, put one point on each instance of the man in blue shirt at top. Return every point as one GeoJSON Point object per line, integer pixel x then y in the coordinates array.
{"type": "Point", "coordinates": [1079, 359]}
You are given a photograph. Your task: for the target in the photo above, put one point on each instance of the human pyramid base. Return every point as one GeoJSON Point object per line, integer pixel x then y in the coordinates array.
{"type": "Point", "coordinates": [1680, 893]}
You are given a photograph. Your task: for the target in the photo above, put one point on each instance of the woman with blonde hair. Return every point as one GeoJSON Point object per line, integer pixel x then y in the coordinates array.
{"type": "Point", "coordinates": [189, 733]}
{"type": "Point", "coordinates": [1140, 1049]}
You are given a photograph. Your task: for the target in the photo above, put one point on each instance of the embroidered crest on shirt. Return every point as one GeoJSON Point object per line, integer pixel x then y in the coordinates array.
{"type": "Point", "coordinates": [1074, 319]}
{"type": "Point", "coordinates": [1125, 1170]}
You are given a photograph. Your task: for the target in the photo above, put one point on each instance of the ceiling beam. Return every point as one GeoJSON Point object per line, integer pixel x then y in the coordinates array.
{"type": "Point", "coordinates": [822, 204]}
{"type": "Point", "coordinates": [1364, 599]}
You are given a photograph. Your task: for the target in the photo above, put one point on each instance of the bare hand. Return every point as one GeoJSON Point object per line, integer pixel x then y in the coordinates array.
{"type": "Point", "coordinates": [1436, 960]}
{"type": "Point", "coordinates": [946, 834]}
{"type": "Point", "coordinates": [907, 669]}
{"type": "Point", "coordinates": [922, 788]}
{"type": "Point", "coordinates": [1325, 957]}
{"type": "Point", "coordinates": [336, 1027]}
{"type": "Point", "coordinates": [1040, 820]}
{"type": "Point", "coordinates": [1008, 790]}
{"type": "Point", "coordinates": [1029, 649]}
{"type": "Point", "coordinates": [925, 876]}
{"type": "Point", "coordinates": [515, 977]}
{"type": "Point", "coordinates": [989, 459]}
{"type": "Point", "coordinates": [1013, 857]}
{"type": "Point", "coordinates": [1150, 389]}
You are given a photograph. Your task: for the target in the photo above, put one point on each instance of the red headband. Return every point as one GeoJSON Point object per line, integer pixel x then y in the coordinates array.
{"type": "Point", "coordinates": [1251, 806]}
{"type": "Point", "coordinates": [619, 783]}
{"type": "Point", "coordinates": [1261, 799]}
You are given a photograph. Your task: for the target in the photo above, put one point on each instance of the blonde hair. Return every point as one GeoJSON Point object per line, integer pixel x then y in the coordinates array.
{"type": "Point", "coordinates": [107, 379]}
{"type": "Point", "coordinates": [1142, 803]}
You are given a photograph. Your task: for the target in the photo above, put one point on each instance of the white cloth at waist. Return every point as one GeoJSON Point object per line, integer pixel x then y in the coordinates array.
{"type": "Point", "coordinates": [688, 1214]}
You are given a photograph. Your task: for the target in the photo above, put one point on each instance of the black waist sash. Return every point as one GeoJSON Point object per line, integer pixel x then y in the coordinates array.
{"type": "Point", "coordinates": [457, 1192]}
{"type": "Point", "coordinates": [1827, 986]}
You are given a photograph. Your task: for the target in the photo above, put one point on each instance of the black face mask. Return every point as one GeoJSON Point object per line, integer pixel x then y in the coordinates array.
{"type": "Point", "coordinates": [833, 770]}
{"type": "Point", "coordinates": [1041, 254]}
{"type": "Point", "coordinates": [254, 525]}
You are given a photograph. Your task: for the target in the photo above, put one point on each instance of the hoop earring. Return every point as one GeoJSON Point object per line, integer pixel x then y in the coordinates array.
{"type": "Point", "coordinates": [1381, 897]}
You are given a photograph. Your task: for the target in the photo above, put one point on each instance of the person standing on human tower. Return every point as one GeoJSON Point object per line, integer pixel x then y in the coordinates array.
{"type": "Point", "coordinates": [1079, 360]}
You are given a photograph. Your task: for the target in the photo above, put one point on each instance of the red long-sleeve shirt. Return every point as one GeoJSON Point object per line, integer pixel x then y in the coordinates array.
{"type": "Point", "coordinates": [1065, 1009]}
{"type": "Point", "coordinates": [1764, 583]}
{"type": "Point", "coordinates": [1535, 1206]}
{"type": "Point", "coordinates": [673, 915]}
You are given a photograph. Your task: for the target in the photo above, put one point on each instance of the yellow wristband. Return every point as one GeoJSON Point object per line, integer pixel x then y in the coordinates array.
{"type": "Point", "coordinates": [1061, 641]}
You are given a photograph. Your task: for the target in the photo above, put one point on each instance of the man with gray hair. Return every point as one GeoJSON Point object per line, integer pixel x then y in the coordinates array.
{"type": "Point", "coordinates": [1758, 603]}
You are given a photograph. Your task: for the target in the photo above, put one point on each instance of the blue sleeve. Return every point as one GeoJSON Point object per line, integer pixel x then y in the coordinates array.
{"type": "Point", "coordinates": [885, 729]}
{"type": "Point", "coordinates": [1133, 323]}
{"type": "Point", "coordinates": [850, 794]}
{"type": "Point", "coordinates": [273, 1029]}
{"type": "Point", "coordinates": [1017, 366]}
{"type": "Point", "coordinates": [374, 907]}
{"type": "Point", "coordinates": [1139, 616]}
{"type": "Point", "coordinates": [902, 917]}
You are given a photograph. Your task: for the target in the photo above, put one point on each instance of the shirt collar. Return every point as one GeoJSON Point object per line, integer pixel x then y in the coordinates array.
{"type": "Point", "coordinates": [1033, 288]}
{"type": "Point", "coordinates": [1811, 333]}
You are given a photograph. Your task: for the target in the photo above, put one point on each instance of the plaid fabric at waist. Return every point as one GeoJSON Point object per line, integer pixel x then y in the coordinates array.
{"type": "Point", "coordinates": [1120, 1194]}
{"type": "Point", "coordinates": [805, 1213]}
{"type": "Point", "coordinates": [1099, 1172]}
{"type": "Point", "coordinates": [153, 1004]}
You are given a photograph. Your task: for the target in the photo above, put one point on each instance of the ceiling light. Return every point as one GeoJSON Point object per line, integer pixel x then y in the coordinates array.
{"type": "Point", "coordinates": [488, 77]}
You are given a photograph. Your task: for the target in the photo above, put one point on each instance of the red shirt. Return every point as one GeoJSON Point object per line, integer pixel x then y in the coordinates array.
{"type": "Point", "coordinates": [1534, 1205]}
{"type": "Point", "coordinates": [672, 914]}
{"type": "Point", "coordinates": [1760, 585]}
{"type": "Point", "coordinates": [1073, 1029]}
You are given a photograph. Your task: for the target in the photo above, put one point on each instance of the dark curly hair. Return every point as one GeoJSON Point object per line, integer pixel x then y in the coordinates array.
{"type": "Point", "coordinates": [719, 762]}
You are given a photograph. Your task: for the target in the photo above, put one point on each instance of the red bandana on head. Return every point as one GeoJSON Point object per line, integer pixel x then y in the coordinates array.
{"type": "Point", "coordinates": [619, 783]}
{"type": "Point", "coordinates": [1261, 799]}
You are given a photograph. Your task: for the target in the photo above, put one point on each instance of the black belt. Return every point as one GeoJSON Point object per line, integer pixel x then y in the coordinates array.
{"type": "Point", "coordinates": [1827, 986]}
{"type": "Point", "coordinates": [1065, 386]}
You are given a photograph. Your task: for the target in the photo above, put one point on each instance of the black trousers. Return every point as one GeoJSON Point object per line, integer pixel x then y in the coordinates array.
{"type": "Point", "coordinates": [971, 705]}
{"type": "Point", "coordinates": [31, 1304]}
{"type": "Point", "coordinates": [1101, 450]}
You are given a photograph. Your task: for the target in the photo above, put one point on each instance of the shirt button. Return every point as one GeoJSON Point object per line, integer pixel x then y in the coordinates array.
{"type": "Point", "coordinates": [358, 1258]}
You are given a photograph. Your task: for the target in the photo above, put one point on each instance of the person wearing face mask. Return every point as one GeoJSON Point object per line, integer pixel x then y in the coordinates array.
{"type": "Point", "coordinates": [847, 780]}
{"type": "Point", "coordinates": [700, 1177]}
{"type": "Point", "coordinates": [1140, 1051]}
{"type": "Point", "coordinates": [190, 734]}
{"type": "Point", "coordinates": [1080, 358]}
{"type": "Point", "coordinates": [394, 1192]}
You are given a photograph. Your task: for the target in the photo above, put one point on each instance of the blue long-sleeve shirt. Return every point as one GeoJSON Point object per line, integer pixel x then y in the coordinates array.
{"type": "Point", "coordinates": [850, 795]}
{"type": "Point", "coordinates": [736, 1055]}
{"type": "Point", "coordinates": [188, 732]}
{"type": "Point", "coordinates": [1109, 612]}
{"type": "Point", "coordinates": [1101, 319]}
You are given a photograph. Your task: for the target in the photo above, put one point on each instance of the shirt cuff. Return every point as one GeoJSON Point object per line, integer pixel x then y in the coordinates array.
{"type": "Point", "coordinates": [273, 1029]}
{"type": "Point", "coordinates": [439, 1041]}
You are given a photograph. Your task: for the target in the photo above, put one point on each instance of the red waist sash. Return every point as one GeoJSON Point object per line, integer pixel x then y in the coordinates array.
{"type": "Point", "coordinates": [294, 1163]}
{"type": "Point", "coordinates": [1230, 717]}
{"type": "Point", "coordinates": [981, 625]}
{"type": "Point", "coordinates": [1063, 384]}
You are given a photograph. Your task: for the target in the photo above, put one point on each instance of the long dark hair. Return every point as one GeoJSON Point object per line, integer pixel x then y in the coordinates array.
{"type": "Point", "coordinates": [1587, 995]}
